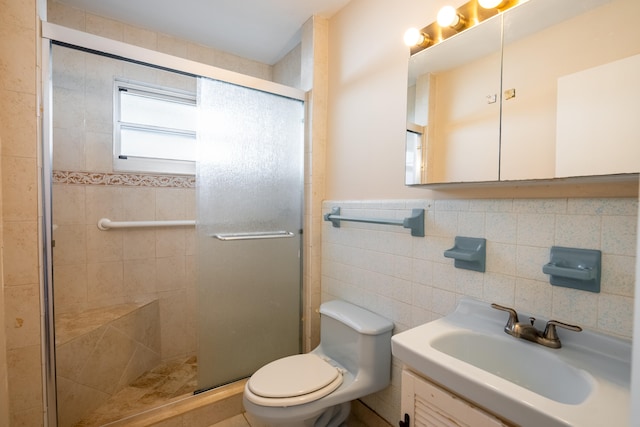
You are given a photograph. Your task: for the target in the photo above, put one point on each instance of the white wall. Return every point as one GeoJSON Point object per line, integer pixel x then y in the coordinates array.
{"type": "Point", "coordinates": [367, 97]}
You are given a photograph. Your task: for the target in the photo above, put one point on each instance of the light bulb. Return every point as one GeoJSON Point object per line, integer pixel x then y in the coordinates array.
{"type": "Point", "coordinates": [494, 4]}
{"type": "Point", "coordinates": [448, 17]}
{"type": "Point", "coordinates": [489, 4]}
{"type": "Point", "coordinates": [414, 37]}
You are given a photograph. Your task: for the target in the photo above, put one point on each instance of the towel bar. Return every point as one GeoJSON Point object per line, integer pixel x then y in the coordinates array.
{"type": "Point", "coordinates": [105, 224]}
{"type": "Point", "coordinates": [415, 222]}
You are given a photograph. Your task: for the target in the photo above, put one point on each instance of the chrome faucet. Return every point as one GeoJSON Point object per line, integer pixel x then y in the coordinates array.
{"type": "Point", "coordinates": [548, 337]}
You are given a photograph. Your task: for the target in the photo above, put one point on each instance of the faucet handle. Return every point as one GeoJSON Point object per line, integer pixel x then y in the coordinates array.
{"type": "Point", "coordinates": [513, 315]}
{"type": "Point", "coordinates": [550, 330]}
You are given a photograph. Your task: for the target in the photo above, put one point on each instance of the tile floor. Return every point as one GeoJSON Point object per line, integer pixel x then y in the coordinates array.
{"type": "Point", "coordinates": [170, 380]}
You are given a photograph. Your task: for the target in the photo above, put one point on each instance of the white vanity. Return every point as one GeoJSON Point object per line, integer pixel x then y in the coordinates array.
{"type": "Point", "coordinates": [466, 370]}
{"type": "Point", "coordinates": [425, 403]}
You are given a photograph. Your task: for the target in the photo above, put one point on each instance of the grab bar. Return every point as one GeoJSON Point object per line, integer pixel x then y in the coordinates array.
{"type": "Point", "coordinates": [253, 235]}
{"type": "Point", "coordinates": [415, 222]}
{"type": "Point", "coordinates": [105, 224]}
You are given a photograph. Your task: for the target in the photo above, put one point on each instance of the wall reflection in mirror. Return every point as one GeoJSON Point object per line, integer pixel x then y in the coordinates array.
{"type": "Point", "coordinates": [543, 90]}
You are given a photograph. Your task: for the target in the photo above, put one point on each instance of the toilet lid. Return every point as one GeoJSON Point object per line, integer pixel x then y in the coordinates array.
{"type": "Point", "coordinates": [293, 376]}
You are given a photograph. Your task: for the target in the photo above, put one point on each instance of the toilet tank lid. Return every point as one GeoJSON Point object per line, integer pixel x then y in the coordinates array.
{"type": "Point", "coordinates": [357, 318]}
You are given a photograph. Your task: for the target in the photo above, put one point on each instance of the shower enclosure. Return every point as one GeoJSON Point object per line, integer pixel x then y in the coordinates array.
{"type": "Point", "coordinates": [182, 308]}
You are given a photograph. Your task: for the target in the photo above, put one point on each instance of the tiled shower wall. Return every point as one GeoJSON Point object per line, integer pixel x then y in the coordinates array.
{"type": "Point", "coordinates": [20, 341]}
{"type": "Point", "coordinates": [408, 279]}
{"type": "Point", "coordinates": [78, 19]}
{"type": "Point", "coordinates": [95, 268]}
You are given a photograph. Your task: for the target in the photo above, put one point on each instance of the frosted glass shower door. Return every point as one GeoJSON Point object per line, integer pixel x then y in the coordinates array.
{"type": "Point", "coordinates": [250, 188]}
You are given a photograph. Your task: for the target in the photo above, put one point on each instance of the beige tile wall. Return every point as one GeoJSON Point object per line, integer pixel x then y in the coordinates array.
{"type": "Point", "coordinates": [287, 70]}
{"type": "Point", "coordinates": [20, 365]}
{"type": "Point", "coordinates": [407, 279]}
{"type": "Point", "coordinates": [314, 78]}
{"type": "Point", "coordinates": [78, 19]}
{"type": "Point", "coordinates": [95, 268]}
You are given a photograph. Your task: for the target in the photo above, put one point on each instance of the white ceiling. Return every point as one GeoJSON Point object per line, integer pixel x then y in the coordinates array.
{"type": "Point", "coordinates": [262, 30]}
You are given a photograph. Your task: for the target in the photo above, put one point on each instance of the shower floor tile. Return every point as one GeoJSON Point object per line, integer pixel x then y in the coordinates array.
{"type": "Point", "coordinates": [170, 380]}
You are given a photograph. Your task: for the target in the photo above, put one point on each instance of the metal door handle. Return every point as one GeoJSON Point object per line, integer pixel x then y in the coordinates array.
{"type": "Point", "coordinates": [254, 235]}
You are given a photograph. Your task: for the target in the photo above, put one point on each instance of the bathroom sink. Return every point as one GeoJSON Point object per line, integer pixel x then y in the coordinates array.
{"type": "Point", "coordinates": [544, 374]}
{"type": "Point", "coordinates": [584, 383]}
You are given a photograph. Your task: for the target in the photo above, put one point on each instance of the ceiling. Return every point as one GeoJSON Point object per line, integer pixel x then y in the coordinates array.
{"type": "Point", "coordinates": [262, 30]}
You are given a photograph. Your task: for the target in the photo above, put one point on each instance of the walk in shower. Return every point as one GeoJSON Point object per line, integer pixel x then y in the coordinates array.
{"type": "Point", "coordinates": [196, 283]}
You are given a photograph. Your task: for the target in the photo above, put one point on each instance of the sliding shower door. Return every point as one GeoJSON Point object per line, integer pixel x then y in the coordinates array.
{"type": "Point", "coordinates": [250, 189]}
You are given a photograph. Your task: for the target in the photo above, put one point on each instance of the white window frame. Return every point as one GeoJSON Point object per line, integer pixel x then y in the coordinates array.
{"type": "Point", "coordinates": [148, 164]}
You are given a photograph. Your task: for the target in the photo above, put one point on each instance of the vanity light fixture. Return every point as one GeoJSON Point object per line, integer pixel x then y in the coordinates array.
{"type": "Point", "coordinates": [448, 16]}
{"type": "Point", "coordinates": [496, 4]}
{"type": "Point", "coordinates": [451, 21]}
{"type": "Point", "coordinates": [415, 37]}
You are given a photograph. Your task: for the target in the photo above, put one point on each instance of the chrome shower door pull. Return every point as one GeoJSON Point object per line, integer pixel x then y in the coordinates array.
{"type": "Point", "coordinates": [254, 235]}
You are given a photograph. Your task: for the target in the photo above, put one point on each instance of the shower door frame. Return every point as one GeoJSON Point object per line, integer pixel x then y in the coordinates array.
{"type": "Point", "coordinates": [100, 45]}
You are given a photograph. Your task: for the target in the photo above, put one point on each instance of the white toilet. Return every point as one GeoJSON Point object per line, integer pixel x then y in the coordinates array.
{"type": "Point", "coordinates": [315, 389]}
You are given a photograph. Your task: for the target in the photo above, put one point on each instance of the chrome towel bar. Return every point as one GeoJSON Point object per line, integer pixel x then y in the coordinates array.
{"type": "Point", "coordinates": [105, 224]}
{"type": "Point", "coordinates": [415, 222]}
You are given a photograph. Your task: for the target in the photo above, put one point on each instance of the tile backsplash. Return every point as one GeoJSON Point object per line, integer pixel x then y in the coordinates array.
{"type": "Point", "coordinates": [408, 279]}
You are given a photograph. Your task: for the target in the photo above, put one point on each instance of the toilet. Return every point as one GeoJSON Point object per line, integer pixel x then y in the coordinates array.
{"type": "Point", "coordinates": [316, 389]}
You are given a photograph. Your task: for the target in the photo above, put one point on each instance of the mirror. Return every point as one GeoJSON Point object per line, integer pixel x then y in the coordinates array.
{"type": "Point", "coordinates": [453, 107]}
{"type": "Point", "coordinates": [576, 88]}
{"type": "Point", "coordinates": [560, 104]}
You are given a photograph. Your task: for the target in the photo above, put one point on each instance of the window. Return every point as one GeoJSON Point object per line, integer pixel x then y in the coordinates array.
{"type": "Point", "coordinates": [155, 129]}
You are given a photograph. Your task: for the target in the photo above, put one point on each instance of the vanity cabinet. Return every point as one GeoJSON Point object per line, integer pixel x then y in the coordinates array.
{"type": "Point", "coordinates": [545, 90]}
{"type": "Point", "coordinates": [427, 404]}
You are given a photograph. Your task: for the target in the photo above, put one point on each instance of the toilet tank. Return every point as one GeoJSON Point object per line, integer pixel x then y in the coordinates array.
{"type": "Point", "coordinates": [357, 339]}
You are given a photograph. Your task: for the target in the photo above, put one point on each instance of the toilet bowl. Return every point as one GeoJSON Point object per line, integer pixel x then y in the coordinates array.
{"type": "Point", "coordinates": [315, 389]}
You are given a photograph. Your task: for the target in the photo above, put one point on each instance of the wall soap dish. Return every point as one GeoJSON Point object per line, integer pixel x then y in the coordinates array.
{"type": "Point", "coordinates": [469, 253]}
{"type": "Point", "coordinates": [574, 268]}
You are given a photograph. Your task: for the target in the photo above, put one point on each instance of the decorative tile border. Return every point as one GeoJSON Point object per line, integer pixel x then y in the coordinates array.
{"type": "Point", "coordinates": [124, 179]}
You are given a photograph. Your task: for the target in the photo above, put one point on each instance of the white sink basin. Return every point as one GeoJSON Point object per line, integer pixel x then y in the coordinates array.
{"type": "Point", "coordinates": [544, 374]}
{"type": "Point", "coordinates": [584, 383]}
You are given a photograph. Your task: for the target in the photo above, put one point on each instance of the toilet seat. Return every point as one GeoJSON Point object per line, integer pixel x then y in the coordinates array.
{"type": "Point", "coordinates": [293, 380]}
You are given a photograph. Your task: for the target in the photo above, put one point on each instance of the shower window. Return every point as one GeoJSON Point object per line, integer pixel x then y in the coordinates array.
{"type": "Point", "coordinates": [154, 129]}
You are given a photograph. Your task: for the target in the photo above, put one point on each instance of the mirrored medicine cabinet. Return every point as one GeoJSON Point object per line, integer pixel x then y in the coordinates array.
{"type": "Point", "coordinates": [547, 89]}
